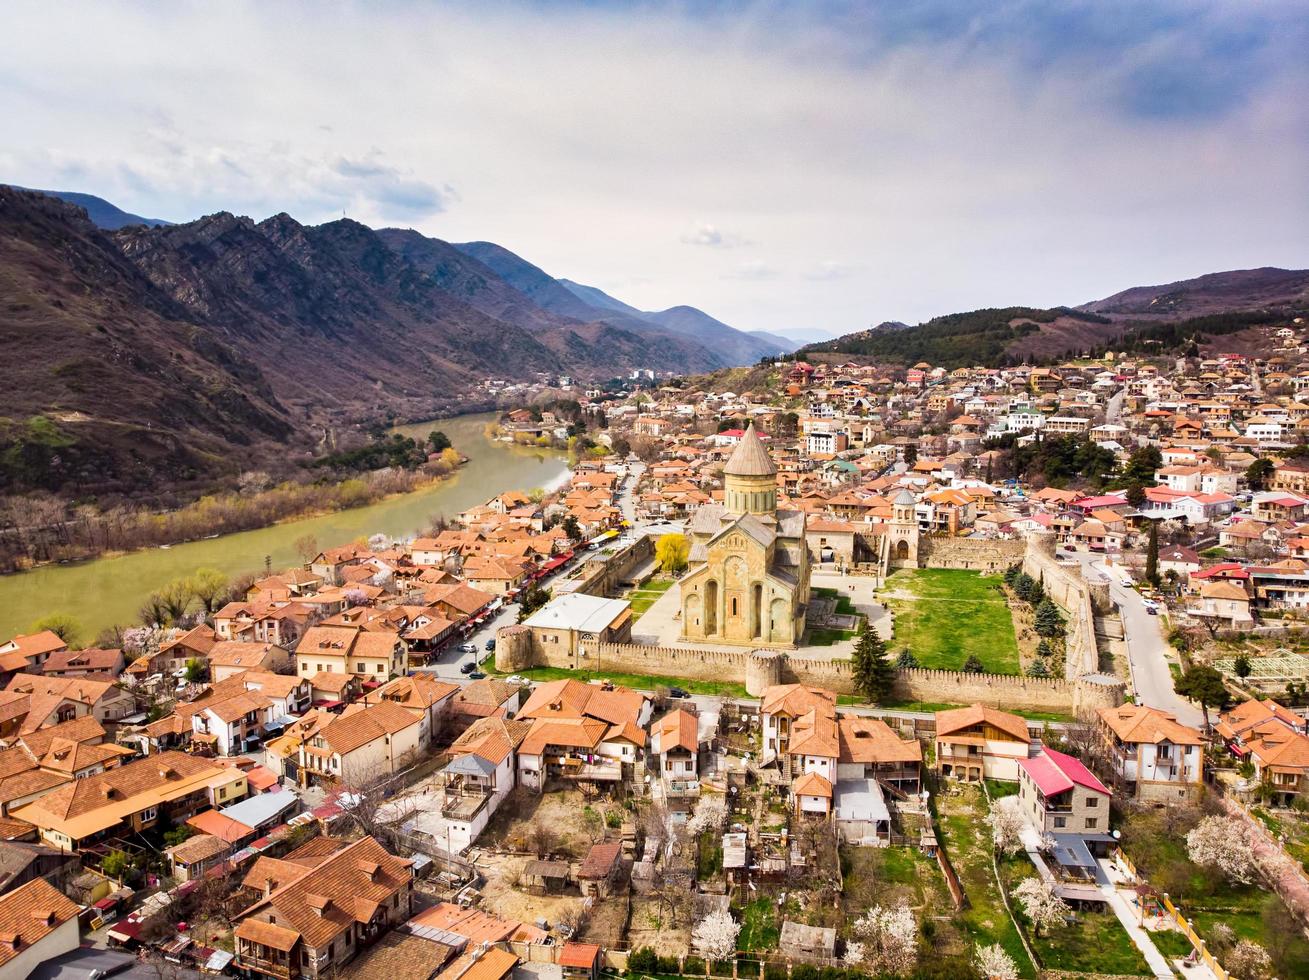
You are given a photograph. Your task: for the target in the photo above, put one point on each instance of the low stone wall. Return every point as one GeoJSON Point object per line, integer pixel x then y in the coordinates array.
{"type": "Point", "coordinates": [991, 557]}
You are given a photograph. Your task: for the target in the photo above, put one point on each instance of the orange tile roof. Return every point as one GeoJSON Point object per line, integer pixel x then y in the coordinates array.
{"type": "Point", "coordinates": [873, 740]}
{"type": "Point", "coordinates": [955, 719]}
{"type": "Point", "coordinates": [1139, 723]}
{"type": "Point", "coordinates": [29, 914]}
{"type": "Point", "coordinates": [353, 730]}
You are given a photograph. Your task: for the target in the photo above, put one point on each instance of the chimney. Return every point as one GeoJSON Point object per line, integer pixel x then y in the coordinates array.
{"type": "Point", "coordinates": [268, 887]}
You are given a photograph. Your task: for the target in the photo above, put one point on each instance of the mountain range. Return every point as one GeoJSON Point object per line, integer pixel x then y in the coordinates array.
{"type": "Point", "coordinates": [147, 355]}
{"type": "Point", "coordinates": [1148, 318]}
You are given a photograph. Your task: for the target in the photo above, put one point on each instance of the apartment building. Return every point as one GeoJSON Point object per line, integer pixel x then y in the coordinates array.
{"type": "Point", "coordinates": [1057, 794]}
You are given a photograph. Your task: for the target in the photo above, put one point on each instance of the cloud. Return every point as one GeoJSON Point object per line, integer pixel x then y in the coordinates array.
{"type": "Point", "coordinates": [712, 237]}
{"type": "Point", "coordinates": [890, 161]}
{"type": "Point", "coordinates": [830, 271]}
{"type": "Point", "coordinates": [752, 272]}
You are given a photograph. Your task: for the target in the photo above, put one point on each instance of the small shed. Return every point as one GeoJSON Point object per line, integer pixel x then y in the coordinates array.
{"type": "Point", "coordinates": [735, 856]}
{"type": "Point", "coordinates": [545, 877]}
{"type": "Point", "coordinates": [601, 870]}
{"type": "Point", "coordinates": [580, 961]}
{"type": "Point", "coordinates": [806, 942]}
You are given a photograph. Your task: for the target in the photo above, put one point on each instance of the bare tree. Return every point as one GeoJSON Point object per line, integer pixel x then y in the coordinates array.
{"type": "Point", "coordinates": [365, 801]}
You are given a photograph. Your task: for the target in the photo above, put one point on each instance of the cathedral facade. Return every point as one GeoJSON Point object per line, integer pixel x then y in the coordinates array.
{"type": "Point", "coordinates": [748, 582]}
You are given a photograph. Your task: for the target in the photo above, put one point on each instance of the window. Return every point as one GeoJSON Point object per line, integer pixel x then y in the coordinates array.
{"type": "Point", "coordinates": [1060, 822]}
{"type": "Point", "coordinates": [149, 813]}
{"type": "Point", "coordinates": [1091, 822]}
{"type": "Point", "coordinates": [1093, 801]}
{"type": "Point", "coordinates": [381, 668]}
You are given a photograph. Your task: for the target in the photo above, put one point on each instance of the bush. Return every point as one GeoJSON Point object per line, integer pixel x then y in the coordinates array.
{"type": "Point", "coordinates": [644, 960]}
{"type": "Point", "coordinates": [723, 968]}
{"type": "Point", "coordinates": [694, 966]}
{"type": "Point", "coordinates": [803, 971]}
{"type": "Point", "coordinates": [669, 964]}
{"type": "Point", "coordinates": [747, 968]}
{"type": "Point", "coordinates": [774, 971]}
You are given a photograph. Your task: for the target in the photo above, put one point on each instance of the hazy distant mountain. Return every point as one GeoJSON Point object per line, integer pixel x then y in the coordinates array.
{"type": "Point", "coordinates": [737, 347]}
{"type": "Point", "coordinates": [805, 335]}
{"type": "Point", "coordinates": [102, 214]}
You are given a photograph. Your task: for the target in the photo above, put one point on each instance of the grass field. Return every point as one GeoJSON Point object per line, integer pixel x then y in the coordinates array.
{"type": "Point", "coordinates": [948, 615]}
{"type": "Point", "coordinates": [647, 595]}
{"type": "Point", "coordinates": [644, 682]}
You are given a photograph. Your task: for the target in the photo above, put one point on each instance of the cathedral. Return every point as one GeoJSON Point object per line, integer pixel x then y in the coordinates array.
{"type": "Point", "coordinates": [749, 577]}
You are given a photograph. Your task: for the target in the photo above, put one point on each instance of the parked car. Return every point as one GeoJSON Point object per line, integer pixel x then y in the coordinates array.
{"type": "Point", "coordinates": [677, 692]}
{"type": "Point", "coordinates": [476, 675]}
{"type": "Point", "coordinates": [467, 667]}
{"type": "Point", "coordinates": [490, 644]}
{"type": "Point", "coordinates": [468, 647]}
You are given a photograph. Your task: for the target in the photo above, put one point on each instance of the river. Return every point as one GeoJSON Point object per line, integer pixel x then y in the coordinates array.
{"type": "Point", "coordinates": [107, 591]}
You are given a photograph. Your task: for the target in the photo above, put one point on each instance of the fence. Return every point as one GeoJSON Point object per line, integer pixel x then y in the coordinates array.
{"type": "Point", "coordinates": [1202, 954]}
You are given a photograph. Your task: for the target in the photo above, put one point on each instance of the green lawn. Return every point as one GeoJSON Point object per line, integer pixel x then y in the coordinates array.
{"type": "Point", "coordinates": [1095, 943]}
{"type": "Point", "coordinates": [647, 595]}
{"type": "Point", "coordinates": [967, 841]}
{"type": "Point", "coordinates": [821, 637]}
{"type": "Point", "coordinates": [759, 926]}
{"type": "Point", "coordinates": [953, 614]}
{"type": "Point", "coordinates": [647, 682]}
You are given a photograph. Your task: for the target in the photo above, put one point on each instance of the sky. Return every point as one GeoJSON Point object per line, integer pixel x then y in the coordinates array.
{"type": "Point", "coordinates": [819, 165]}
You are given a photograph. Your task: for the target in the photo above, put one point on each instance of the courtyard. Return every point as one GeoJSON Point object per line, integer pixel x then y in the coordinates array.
{"type": "Point", "coordinates": [943, 616]}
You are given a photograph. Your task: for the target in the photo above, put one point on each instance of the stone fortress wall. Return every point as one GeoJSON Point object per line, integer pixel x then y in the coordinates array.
{"type": "Point", "coordinates": [1082, 688]}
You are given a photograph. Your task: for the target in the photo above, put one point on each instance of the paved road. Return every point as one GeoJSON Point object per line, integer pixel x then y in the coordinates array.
{"type": "Point", "coordinates": [1147, 649]}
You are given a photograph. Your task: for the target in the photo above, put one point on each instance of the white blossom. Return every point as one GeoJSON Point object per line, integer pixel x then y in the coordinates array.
{"type": "Point", "coordinates": [854, 953]}
{"type": "Point", "coordinates": [710, 814]}
{"type": "Point", "coordinates": [1249, 961]}
{"type": "Point", "coordinates": [890, 939]}
{"type": "Point", "coordinates": [1006, 828]}
{"type": "Point", "coordinates": [715, 935]}
{"type": "Point", "coordinates": [996, 964]}
{"type": "Point", "coordinates": [1222, 843]}
{"type": "Point", "coordinates": [1043, 908]}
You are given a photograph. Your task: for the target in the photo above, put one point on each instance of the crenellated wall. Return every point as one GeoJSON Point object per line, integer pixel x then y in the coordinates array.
{"type": "Point", "coordinates": [1066, 586]}
{"type": "Point", "coordinates": [973, 554]}
{"type": "Point", "coordinates": [517, 648]}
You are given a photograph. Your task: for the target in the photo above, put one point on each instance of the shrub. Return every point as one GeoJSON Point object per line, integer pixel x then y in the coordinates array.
{"type": "Point", "coordinates": [644, 960]}
{"type": "Point", "coordinates": [694, 966]}
{"type": "Point", "coordinates": [774, 971]}
{"type": "Point", "coordinates": [722, 968]}
{"type": "Point", "coordinates": [669, 965]}
{"type": "Point", "coordinates": [747, 968]}
{"type": "Point", "coordinates": [803, 971]}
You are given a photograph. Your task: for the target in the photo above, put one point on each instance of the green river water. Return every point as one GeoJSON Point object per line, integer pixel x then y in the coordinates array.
{"type": "Point", "coordinates": [106, 591]}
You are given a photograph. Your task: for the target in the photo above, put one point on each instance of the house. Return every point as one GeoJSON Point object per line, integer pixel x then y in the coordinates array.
{"type": "Point", "coordinates": [374, 656]}
{"type": "Point", "coordinates": [427, 698]}
{"type": "Point", "coordinates": [1225, 602]}
{"type": "Point", "coordinates": [870, 749]}
{"type": "Point", "coordinates": [781, 705]}
{"type": "Point", "coordinates": [1159, 759]}
{"type": "Point", "coordinates": [1057, 794]}
{"type": "Point", "coordinates": [484, 698]}
{"type": "Point", "coordinates": [400, 954]}
{"type": "Point", "coordinates": [125, 800]}
{"type": "Point", "coordinates": [675, 744]}
{"type": "Point", "coordinates": [316, 922]}
{"type": "Point", "coordinates": [600, 870]}
{"type": "Point", "coordinates": [30, 651]}
{"type": "Point", "coordinates": [197, 854]}
{"type": "Point", "coordinates": [363, 743]}
{"type": "Point", "coordinates": [232, 725]}
{"type": "Point", "coordinates": [580, 961]}
{"type": "Point", "coordinates": [977, 743]}
{"type": "Point", "coordinates": [478, 777]}
{"type": "Point", "coordinates": [798, 941]}
{"type": "Point", "coordinates": [582, 732]}
{"type": "Point", "coordinates": [105, 664]}
{"type": "Point", "coordinates": [21, 862]}
{"type": "Point", "coordinates": [37, 924]}
{"type": "Point", "coordinates": [230, 657]}
{"type": "Point", "coordinates": [54, 700]}
{"type": "Point", "coordinates": [1275, 741]}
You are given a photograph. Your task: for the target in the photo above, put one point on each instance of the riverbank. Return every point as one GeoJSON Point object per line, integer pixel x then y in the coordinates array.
{"type": "Point", "coordinates": [108, 591]}
{"type": "Point", "coordinates": [87, 535]}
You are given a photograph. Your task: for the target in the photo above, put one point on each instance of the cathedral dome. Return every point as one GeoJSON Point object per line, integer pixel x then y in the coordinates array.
{"type": "Point", "coordinates": [750, 457]}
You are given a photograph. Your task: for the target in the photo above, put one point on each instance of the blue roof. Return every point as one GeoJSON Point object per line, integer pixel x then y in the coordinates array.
{"type": "Point", "coordinates": [260, 810]}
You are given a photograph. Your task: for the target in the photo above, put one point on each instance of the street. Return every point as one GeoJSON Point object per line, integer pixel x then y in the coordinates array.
{"type": "Point", "coordinates": [1147, 649]}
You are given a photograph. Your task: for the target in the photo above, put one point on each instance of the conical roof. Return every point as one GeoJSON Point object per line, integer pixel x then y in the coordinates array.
{"type": "Point", "coordinates": [904, 498]}
{"type": "Point", "coordinates": [750, 458]}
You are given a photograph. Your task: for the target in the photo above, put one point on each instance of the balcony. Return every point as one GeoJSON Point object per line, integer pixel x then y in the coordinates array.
{"type": "Point", "coordinates": [570, 767]}
{"type": "Point", "coordinates": [258, 964]}
{"type": "Point", "coordinates": [464, 805]}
